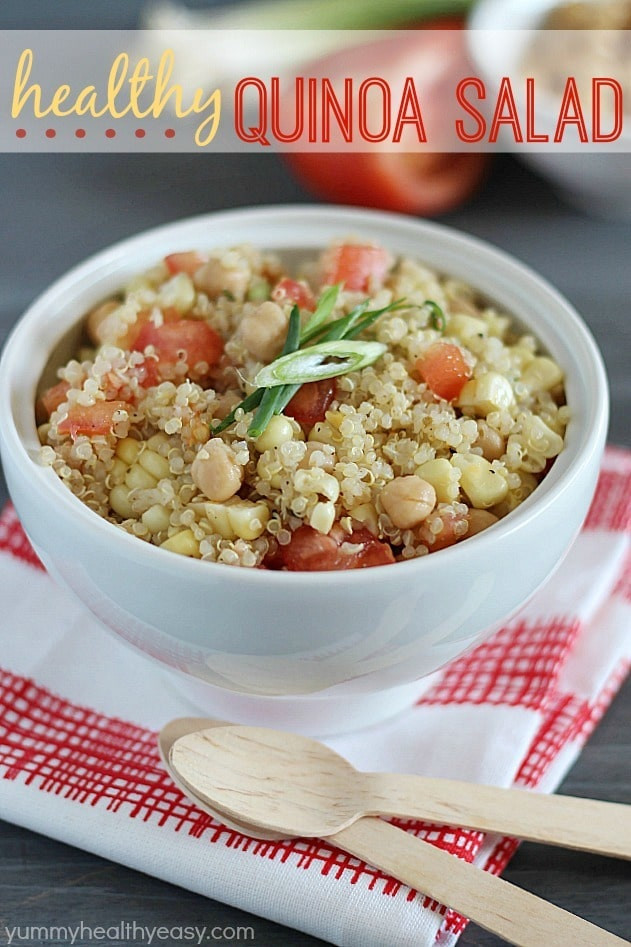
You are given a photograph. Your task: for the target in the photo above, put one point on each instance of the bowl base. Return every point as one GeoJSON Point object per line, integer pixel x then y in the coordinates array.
{"type": "Point", "coordinates": [309, 715]}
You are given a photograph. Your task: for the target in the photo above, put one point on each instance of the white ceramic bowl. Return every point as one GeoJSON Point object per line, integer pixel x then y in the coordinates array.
{"type": "Point", "coordinates": [335, 639]}
{"type": "Point", "coordinates": [598, 182]}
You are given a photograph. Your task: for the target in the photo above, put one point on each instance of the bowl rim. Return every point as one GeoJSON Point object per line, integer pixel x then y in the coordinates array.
{"type": "Point", "coordinates": [589, 438]}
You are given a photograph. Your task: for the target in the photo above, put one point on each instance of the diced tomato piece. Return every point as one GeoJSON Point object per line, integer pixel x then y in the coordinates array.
{"type": "Point", "coordinates": [188, 262]}
{"type": "Point", "coordinates": [357, 266]}
{"type": "Point", "coordinates": [311, 551]}
{"type": "Point", "coordinates": [91, 419]}
{"type": "Point", "coordinates": [373, 552]}
{"type": "Point", "coordinates": [169, 314]}
{"type": "Point", "coordinates": [289, 290]}
{"type": "Point", "coordinates": [51, 399]}
{"type": "Point", "coordinates": [148, 373]}
{"type": "Point", "coordinates": [444, 370]}
{"type": "Point", "coordinates": [185, 340]}
{"type": "Point", "coordinates": [311, 401]}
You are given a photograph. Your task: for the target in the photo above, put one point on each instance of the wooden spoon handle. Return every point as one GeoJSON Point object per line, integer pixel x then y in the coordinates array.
{"type": "Point", "coordinates": [519, 917]}
{"type": "Point", "coordinates": [583, 824]}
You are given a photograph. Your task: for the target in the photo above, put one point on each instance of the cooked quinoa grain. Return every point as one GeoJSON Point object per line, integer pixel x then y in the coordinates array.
{"type": "Point", "coordinates": [449, 429]}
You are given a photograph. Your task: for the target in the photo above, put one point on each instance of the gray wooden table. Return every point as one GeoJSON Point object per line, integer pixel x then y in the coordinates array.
{"type": "Point", "coordinates": [55, 210]}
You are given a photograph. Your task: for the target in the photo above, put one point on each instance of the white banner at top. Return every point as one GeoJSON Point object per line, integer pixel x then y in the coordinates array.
{"type": "Point", "coordinates": [315, 90]}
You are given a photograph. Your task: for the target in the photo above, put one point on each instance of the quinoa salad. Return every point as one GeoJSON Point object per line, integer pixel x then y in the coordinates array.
{"type": "Point", "coordinates": [361, 411]}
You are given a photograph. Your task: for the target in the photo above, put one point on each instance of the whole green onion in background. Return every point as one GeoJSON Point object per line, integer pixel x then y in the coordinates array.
{"type": "Point", "coordinates": [301, 14]}
{"type": "Point", "coordinates": [325, 26]}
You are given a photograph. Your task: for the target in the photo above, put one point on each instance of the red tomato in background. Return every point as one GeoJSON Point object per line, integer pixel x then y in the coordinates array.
{"type": "Point", "coordinates": [413, 182]}
{"type": "Point", "coordinates": [193, 340]}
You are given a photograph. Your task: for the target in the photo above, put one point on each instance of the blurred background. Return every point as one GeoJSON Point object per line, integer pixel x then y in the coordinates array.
{"type": "Point", "coordinates": [59, 208]}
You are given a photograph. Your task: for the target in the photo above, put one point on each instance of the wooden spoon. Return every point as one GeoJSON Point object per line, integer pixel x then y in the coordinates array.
{"type": "Point", "coordinates": [300, 786]}
{"type": "Point", "coordinates": [215, 768]}
{"type": "Point", "coordinates": [180, 727]}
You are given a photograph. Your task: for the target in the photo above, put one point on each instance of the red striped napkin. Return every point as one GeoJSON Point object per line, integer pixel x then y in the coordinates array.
{"type": "Point", "coordinates": [79, 714]}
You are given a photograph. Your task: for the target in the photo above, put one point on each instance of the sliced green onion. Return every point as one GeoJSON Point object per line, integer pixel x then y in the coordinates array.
{"type": "Point", "coordinates": [324, 308]}
{"type": "Point", "coordinates": [228, 295]}
{"type": "Point", "coordinates": [259, 292]}
{"type": "Point", "coordinates": [371, 317]}
{"type": "Point", "coordinates": [339, 327]}
{"type": "Point", "coordinates": [311, 364]}
{"type": "Point", "coordinates": [437, 318]}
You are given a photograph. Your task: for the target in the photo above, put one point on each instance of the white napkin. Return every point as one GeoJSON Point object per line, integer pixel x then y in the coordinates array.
{"type": "Point", "coordinates": [79, 711]}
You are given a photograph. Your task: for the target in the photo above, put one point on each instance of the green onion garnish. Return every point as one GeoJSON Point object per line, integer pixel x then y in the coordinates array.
{"type": "Point", "coordinates": [311, 364]}
{"type": "Point", "coordinates": [279, 381]}
{"type": "Point", "coordinates": [324, 308]}
{"type": "Point", "coordinates": [436, 315]}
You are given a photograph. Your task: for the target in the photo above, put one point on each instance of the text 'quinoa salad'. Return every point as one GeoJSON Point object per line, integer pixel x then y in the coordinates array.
{"type": "Point", "coordinates": [364, 411]}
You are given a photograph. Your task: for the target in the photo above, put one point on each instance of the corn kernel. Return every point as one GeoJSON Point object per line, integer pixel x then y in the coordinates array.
{"type": "Point", "coordinates": [184, 543]}
{"type": "Point", "coordinates": [483, 485]}
{"type": "Point", "coordinates": [117, 471]}
{"type": "Point", "coordinates": [178, 292]}
{"type": "Point", "coordinates": [366, 514]}
{"type": "Point", "coordinates": [217, 516]}
{"type": "Point", "coordinates": [322, 517]}
{"type": "Point", "coordinates": [486, 393]}
{"type": "Point", "coordinates": [248, 520]}
{"type": "Point", "coordinates": [542, 374]}
{"type": "Point", "coordinates": [156, 441]}
{"type": "Point", "coordinates": [440, 474]}
{"type": "Point", "coordinates": [465, 327]}
{"type": "Point", "coordinates": [119, 501]}
{"type": "Point", "coordinates": [325, 433]}
{"type": "Point", "coordinates": [156, 518]}
{"type": "Point", "coordinates": [154, 464]}
{"type": "Point", "coordinates": [137, 478]}
{"type": "Point", "coordinates": [540, 438]}
{"type": "Point", "coordinates": [42, 433]}
{"type": "Point", "coordinates": [128, 449]}
{"type": "Point", "coordinates": [278, 431]}
{"type": "Point", "coordinates": [317, 480]}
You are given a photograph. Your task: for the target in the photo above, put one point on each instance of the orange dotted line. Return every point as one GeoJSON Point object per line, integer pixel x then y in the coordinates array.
{"type": "Point", "coordinates": [81, 133]}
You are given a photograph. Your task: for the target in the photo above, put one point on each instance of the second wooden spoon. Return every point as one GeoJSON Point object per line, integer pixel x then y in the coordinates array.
{"type": "Point", "coordinates": [207, 764]}
{"type": "Point", "coordinates": [289, 783]}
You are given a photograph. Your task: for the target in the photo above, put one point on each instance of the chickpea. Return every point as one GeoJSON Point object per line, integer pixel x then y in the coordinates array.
{"type": "Point", "coordinates": [96, 318]}
{"type": "Point", "coordinates": [213, 278]}
{"type": "Point", "coordinates": [215, 471]}
{"type": "Point", "coordinates": [408, 501]}
{"type": "Point", "coordinates": [263, 331]}
{"type": "Point", "coordinates": [492, 443]}
{"type": "Point", "coordinates": [479, 520]}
